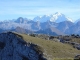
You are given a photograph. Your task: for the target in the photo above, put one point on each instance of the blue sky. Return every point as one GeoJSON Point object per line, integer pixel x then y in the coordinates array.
{"type": "Point", "coordinates": [12, 9]}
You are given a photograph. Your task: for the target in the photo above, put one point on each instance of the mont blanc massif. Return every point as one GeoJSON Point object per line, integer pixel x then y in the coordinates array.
{"type": "Point", "coordinates": [55, 24]}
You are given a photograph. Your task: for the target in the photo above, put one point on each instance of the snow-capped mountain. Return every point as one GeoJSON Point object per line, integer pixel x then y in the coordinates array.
{"type": "Point", "coordinates": [58, 21]}
{"type": "Point", "coordinates": [57, 17]}
{"type": "Point", "coordinates": [42, 18]}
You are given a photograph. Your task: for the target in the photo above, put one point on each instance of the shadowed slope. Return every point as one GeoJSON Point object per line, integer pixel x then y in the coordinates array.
{"type": "Point", "coordinates": [13, 47]}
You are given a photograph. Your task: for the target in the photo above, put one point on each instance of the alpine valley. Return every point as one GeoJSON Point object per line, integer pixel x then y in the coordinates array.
{"type": "Point", "coordinates": [55, 24]}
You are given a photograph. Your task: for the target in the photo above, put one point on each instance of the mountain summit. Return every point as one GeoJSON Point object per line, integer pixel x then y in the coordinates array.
{"type": "Point", "coordinates": [57, 17]}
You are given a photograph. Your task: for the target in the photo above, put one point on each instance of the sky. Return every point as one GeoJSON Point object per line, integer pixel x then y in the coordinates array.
{"type": "Point", "coordinates": [12, 9]}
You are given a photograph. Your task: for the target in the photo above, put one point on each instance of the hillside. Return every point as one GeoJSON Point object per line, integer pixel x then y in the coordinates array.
{"type": "Point", "coordinates": [13, 47]}
{"type": "Point", "coordinates": [53, 49]}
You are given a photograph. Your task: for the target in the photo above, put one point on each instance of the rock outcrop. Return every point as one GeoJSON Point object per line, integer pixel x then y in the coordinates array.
{"type": "Point", "coordinates": [13, 47]}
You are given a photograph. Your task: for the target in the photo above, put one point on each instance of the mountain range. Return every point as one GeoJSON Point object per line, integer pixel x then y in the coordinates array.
{"type": "Point", "coordinates": [55, 24]}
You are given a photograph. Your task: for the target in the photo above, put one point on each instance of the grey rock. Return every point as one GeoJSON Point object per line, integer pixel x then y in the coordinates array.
{"type": "Point", "coordinates": [13, 47]}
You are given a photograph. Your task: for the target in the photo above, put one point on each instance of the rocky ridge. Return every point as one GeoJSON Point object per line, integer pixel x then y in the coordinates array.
{"type": "Point", "coordinates": [13, 47]}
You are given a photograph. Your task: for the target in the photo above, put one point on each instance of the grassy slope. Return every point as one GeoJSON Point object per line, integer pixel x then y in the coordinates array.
{"type": "Point", "coordinates": [53, 49]}
{"type": "Point", "coordinates": [76, 40]}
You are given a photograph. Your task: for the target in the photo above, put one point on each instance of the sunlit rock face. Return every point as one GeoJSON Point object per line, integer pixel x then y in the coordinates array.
{"type": "Point", "coordinates": [13, 47]}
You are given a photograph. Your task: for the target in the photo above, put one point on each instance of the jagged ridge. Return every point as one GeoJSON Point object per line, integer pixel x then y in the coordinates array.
{"type": "Point", "coordinates": [13, 47]}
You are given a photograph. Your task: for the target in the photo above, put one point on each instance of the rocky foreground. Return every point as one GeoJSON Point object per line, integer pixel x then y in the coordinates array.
{"type": "Point", "coordinates": [13, 47]}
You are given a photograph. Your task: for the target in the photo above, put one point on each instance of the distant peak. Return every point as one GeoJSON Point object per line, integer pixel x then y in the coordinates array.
{"type": "Point", "coordinates": [58, 13]}
{"type": "Point", "coordinates": [56, 17]}
{"type": "Point", "coordinates": [70, 19]}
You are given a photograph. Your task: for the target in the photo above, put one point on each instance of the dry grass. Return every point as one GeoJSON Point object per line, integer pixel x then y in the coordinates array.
{"type": "Point", "coordinates": [63, 59]}
{"type": "Point", "coordinates": [75, 40]}
{"type": "Point", "coordinates": [53, 49]}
